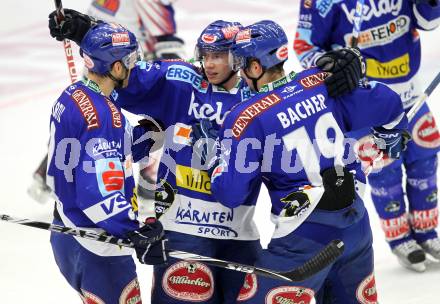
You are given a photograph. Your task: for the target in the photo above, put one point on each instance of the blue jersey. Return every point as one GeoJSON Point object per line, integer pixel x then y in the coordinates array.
{"type": "Point", "coordinates": [289, 135]}
{"type": "Point", "coordinates": [175, 93]}
{"type": "Point", "coordinates": [388, 39]}
{"type": "Point", "coordinates": [89, 166]}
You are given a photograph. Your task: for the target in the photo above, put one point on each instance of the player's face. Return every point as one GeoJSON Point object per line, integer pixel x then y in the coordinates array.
{"type": "Point", "coordinates": [125, 82]}
{"type": "Point", "coordinates": [216, 66]}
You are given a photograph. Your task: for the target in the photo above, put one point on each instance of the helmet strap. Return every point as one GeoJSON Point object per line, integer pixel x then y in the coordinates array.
{"type": "Point", "coordinates": [118, 82]}
{"type": "Point", "coordinates": [254, 79]}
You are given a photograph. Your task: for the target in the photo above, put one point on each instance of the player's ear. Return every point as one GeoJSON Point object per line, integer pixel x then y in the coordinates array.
{"type": "Point", "coordinates": [255, 68]}
{"type": "Point", "coordinates": [117, 68]}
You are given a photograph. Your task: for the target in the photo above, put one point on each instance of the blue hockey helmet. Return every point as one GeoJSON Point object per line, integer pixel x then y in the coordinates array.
{"type": "Point", "coordinates": [107, 43]}
{"type": "Point", "coordinates": [216, 37]}
{"type": "Point", "coordinates": [264, 40]}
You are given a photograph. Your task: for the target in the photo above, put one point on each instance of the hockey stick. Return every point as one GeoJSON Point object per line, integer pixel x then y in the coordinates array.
{"type": "Point", "coordinates": [36, 191]}
{"type": "Point", "coordinates": [410, 115]}
{"type": "Point", "coordinates": [324, 258]}
{"type": "Point", "coordinates": [422, 99]}
{"type": "Point", "coordinates": [67, 45]}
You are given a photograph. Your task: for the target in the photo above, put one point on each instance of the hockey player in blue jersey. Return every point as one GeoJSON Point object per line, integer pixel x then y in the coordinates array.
{"type": "Point", "coordinates": [179, 95]}
{"type": "Point", "coordinates": [89, 171]}
{"type": "Point", "coordinates": [154, 26]}
{"type": "Point", "coordinates": [390, 42]}
{"type": "Point", "coordinates": [290, 136]}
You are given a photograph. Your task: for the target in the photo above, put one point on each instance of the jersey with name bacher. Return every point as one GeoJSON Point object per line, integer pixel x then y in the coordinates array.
{"type": "Point", "coordinates": [289, 135]}
{"type": "Point", "coordinates": [388, 38]}
{"type": "Point", "coordinates": [175, 93]}
{"type": "Point", "coordinates": [89, 171]}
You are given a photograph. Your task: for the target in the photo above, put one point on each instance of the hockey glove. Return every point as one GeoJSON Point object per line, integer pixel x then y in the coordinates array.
{"type": "Point", "coordinates": [205, 144]}
{"type": "Point", "coordinates": [149, 243]}
{"type": "Point", "coordinates": [391, 141]}
{"type": "Point", "coordinates": [74, 26]}
{"type": "Point", "coordinates": [169, 47]}
{"type": "Point", "coordinates": [433, 3]}
{"type": "Point", "coordinates": [339, 189]}
{"type": "Point", "coordinates": [346, 68]}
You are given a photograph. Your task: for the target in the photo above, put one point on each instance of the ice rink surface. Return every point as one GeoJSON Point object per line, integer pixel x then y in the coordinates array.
{"type": "Point", "coordinates": [33, 73]}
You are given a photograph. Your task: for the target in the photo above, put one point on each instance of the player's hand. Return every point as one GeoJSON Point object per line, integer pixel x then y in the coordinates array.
{"type": "Point", "coordinates": [149, 243]}
{"type": "Point", "coordinates": [74, 26]}
{"type": "Point", "coordinates": [346, 68]}
{"type": "Point", "coordinates": [204, 141]}
{"type": "Point", "coordinates": [391, 141]}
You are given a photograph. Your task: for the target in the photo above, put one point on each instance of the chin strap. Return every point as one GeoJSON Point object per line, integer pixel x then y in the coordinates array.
{"type": "Point", "coordinates": [254, 80]}
{"type": "Point", "coordinates": [118, 82]}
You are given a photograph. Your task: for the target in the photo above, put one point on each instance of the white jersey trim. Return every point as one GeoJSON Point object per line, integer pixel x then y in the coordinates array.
{"type": "Point", "coordinates": [98, 248]}
{"type": "Point", "coordinates": [286, 225]}
{"type": "Point", "coordinates": [425, 24]}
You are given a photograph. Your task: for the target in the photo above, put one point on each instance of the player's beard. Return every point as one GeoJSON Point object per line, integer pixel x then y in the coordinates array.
{"type": "Point", "coordinates": [119, 83]}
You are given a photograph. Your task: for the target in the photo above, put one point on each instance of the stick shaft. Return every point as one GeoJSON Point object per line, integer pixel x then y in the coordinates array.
{"type": "Point", "coordinates": [422, 99]}
{"type": "Point", "coordinates": [325, 257]}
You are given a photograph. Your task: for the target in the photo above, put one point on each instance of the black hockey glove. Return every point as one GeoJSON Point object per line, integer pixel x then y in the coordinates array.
{"type": "Point", "coordinates": [391, 141]}
{"type": "Point", "coordinates": [430, 2]}
{"type": "Point", "coordinates": [169, 47]}
{"type": "Point", "coordinates": [346, 68]}
{"type": "Point", "coordinates": [149, 243]}
{"type": "Point", "coordinates": [74, 26]}
{"type": "Point", "coordinates": [339, 189]}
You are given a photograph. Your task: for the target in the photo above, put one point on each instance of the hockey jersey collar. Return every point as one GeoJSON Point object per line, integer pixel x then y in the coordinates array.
{"type": "Point", "coordinates": [91, 85]}
{"type": "Point", "coordinates": [234, 90]}
{"type": "Point", "coordinates": [277, 83]}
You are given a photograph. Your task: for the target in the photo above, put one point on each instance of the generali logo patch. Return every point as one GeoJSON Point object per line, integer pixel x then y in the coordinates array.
{"type": "Point", "coordinates": [116, 115]}
{"type": "Point", "coordinates": [187, 281]}
{"type": "Point", "coordinates": [252, 111]}
{"type": "Point", "coordinates": [87, 108]}
{"type": "Point", "coordinates": [313, 80]}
